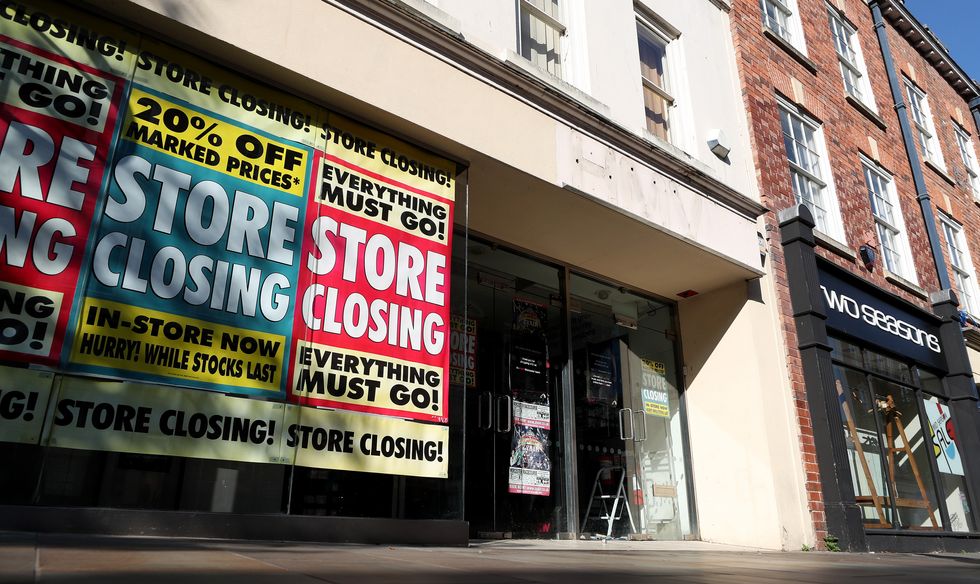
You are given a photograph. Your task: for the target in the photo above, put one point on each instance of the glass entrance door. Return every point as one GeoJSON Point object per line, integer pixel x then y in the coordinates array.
{"type": "Point", "coordinates": [632, 479]}
{"type": "Point", "coordinates": [513, 441]}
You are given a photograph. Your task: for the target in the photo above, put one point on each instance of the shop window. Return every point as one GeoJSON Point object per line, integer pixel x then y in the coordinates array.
{"type": "Point", "coordinates": [541, 34]}
{"type": "Point", "coordinates": [924, 128]}
{"type": "Point", "coordinates": [809, 171]}
{"type": "Point", "coordinates": [901, 444]}
{"type": "Point", "coordinates": [657, 99]}
{"type": "Point", "coordinates": [889, 222]}
{"type": "Point", "coordinates": [782, 18]}
{"type": "Point", "coordinates": [952, 476]}
{"type": "Point", "coordinates": [851, 59]}
{"type": "Point", "coordinates": [968, 155]}
{"type": "Point", "coordinates": [962, 264]}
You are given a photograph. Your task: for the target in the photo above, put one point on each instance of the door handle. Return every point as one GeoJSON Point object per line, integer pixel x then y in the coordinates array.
{"type": "Point", "coordinates": [487, 412]}
{"type": "Point", "coordinates": [508, 417]}
{"type": "Point", "coordinates": [643, 424]}
{"type": "Point", "coordinates": [622, 424]}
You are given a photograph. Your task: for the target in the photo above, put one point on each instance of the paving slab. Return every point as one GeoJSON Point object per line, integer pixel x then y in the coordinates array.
{"type": "Point", "coordinates": [29, 558]}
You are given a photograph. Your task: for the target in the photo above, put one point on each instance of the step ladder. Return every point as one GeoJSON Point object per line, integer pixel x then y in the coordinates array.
{"type": "Point", "coordinates": [893, 419]}
{"type": "Point", "coordinates": [608, 507]}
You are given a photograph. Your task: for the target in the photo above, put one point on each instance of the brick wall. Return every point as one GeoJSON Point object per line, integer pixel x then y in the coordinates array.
{"type": "Point", "coordinates": [768, 69]}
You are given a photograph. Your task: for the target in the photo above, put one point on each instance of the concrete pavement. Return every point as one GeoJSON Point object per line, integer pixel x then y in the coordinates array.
{"type": "Point", "coordinates": [28, 558]}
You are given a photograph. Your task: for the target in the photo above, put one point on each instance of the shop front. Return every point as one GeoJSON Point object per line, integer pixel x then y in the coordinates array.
{"type": "Point", "coordinates": [898, 424]}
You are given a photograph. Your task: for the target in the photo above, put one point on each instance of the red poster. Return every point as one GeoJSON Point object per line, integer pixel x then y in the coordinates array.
{"type": "Point", "coordinates": [56, 132]}
{"type": "Point", "coordinates": [372, 328]}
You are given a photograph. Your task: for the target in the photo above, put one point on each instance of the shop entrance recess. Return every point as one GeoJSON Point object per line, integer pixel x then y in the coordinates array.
{"type": "Point", "coordinates": [632, 478]}
{"type": "Point", "coordinates": [514, 444]}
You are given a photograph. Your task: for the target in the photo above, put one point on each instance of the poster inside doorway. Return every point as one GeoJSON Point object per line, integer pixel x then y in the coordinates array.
{"type": "Point", "coordinates": [529, 376]}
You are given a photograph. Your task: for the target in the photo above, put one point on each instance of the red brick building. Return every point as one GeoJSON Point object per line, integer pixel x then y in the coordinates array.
{"type": "Point", "coordinates": [865, 149]}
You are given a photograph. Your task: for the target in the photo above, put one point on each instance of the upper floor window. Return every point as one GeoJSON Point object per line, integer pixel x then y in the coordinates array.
{"type": "Point", "coordinates": [781, 17]}
{"type": "Point", "coordinates": [851, 60]}
{"type": "Point", "coordinates": [542, 30]}
{"type": "Point", "coordinates": [889, 222]}
{"type": "Point", "coordinates": [657, 99]}
{"type": "Point", "coordinates": [807, 155]}
{"type": "Point", "coordinates": [924, 128]}
{"type": "Point", "coordinates": [959, 257]}
{"type": "Point", "coordinates": [969, 157]}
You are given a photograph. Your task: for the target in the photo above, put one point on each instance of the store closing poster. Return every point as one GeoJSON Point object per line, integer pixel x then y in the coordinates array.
{"type": "Point", "coordinates": [188, 233]}
{"type": "Point", "coordinates": [529, 375]}
{"type": "Point", "coordinates": [196, 254]}
{"type": "Point", "coordinates": [60, 104]}
{"type": "Point", "coordinates": [372, 333]}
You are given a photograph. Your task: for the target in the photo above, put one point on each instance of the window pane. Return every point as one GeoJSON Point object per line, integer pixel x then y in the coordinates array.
{"type": "Point", "coordinates": [653, 52]}
{"type": "Point", "coordinates": [887, 366]}
{"type": "Point", "coordinates": [907, 453]}
{"type": "Point", "coordinates": [847, 352]}
{"type": "Point", "coordinates": [656, 113]}
{"type": "Point", "coordinates": [864, 449]}
{"type": "Point", "coordinates": [952, 478]}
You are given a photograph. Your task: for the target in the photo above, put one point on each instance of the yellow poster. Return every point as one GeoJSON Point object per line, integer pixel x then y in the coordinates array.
{"type": "Point", "coordinates": [225, 93]}
{"type": "Point", "coordinates": [24, 396]}
{"type": "Point", "coordinates": [381, 156]}
{"type": "Point", "coordinates": [367, 443]}
{"type": "Point", "coordinates": [65, 32]}
{"type": "Point", "coordinates": [145, 341]}
{"type": "Point", "coordinates": [149, 419]}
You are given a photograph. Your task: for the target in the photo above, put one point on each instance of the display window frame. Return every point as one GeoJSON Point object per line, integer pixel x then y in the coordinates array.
{"type": "Point", "coordinates": [915, 384]}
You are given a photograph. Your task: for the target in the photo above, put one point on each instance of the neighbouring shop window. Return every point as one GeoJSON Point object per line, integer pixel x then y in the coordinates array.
{"type": "Point", "coordinates": [904, 462]}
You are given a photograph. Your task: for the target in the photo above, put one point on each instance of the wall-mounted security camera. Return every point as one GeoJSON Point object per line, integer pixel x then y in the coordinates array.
{"type": "Point", "coordinates": [718, 143]}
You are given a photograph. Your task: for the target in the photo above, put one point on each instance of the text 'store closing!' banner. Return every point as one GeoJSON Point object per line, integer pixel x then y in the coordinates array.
{"type": "Point", "coordinates": [196, 256]}
{"type": "Point", "coordinates": [372, 326]}
{"type": "Point", "coordinates": [164, 220]}
{"type": "Point", "coordinates": [60, 103]}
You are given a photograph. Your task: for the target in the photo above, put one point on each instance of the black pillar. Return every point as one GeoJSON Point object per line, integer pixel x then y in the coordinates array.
{"type": "Point", "coordinates": [844, 519]}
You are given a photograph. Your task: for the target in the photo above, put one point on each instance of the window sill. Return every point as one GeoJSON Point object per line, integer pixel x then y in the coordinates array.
{"type": "Point", "coordinates": [792, 50]}
{"type": "Point", "coordinates": [904, 284]}
{"type": "Point", "coordinates": [434, 15]}
{"type": "Point", "coordinates": [939, 170]}
{"type": "Point", "coordinates": [867, 111]}
{"type": "Point", "coordinates": [519, 62]}
{"type": "Point", "coordinates": [829, 243]}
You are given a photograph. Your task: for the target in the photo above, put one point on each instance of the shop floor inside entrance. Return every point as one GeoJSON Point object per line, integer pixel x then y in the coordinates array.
{"type": "Point", "coordinates": [31, 558]}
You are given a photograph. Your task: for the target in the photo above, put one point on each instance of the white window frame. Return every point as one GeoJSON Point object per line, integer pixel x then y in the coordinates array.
{"type": "Point", "coordinates": [969, 157]}
{"type": "Point", "coordinates": [889, 221]}
{"type": "Point", "coordinates": [920, 115]}
{"type": "Point", "coordinates": [962, 264]}
{"type": "Point", "coordinates": [810, 169]}
{"type": "Point", "coordinates": [554, 28]}
{"type": "Point", "coordinates": [645, 25]}
{"type": "Point", "coordinates": [782, 18]}
{"type": "Point", "coordinates": [853, 70]}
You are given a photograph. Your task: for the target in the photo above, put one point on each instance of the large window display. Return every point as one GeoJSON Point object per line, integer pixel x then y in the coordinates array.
{"type": "Point", "coordinates": [901, 440]}
{"type": "Point", "coordinates": [215, 295]}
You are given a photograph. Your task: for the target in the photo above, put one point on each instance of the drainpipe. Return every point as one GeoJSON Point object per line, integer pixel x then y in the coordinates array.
{"type": "Point", "coordinates": [925, 203]}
